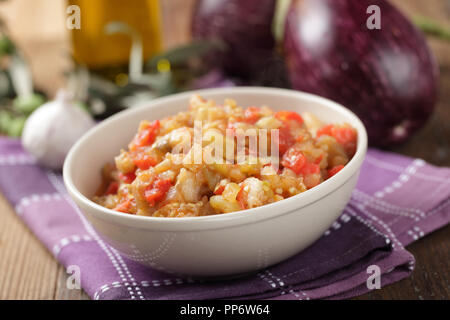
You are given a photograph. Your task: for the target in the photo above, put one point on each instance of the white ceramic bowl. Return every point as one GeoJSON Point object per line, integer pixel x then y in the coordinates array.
{"type": "Point", "coordinates": [219, 245]}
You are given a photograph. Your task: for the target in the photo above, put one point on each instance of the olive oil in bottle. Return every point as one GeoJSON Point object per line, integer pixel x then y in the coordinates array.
{"type": "Point", "coordinates": [108, 54]}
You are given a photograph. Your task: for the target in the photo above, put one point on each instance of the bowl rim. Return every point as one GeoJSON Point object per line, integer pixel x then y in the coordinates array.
{"type": "Point", "coordinates": [241, 217]}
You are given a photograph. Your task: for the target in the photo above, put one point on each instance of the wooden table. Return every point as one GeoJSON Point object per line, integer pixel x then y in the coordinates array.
{"type": "Point", "coordinates": [28, 270]}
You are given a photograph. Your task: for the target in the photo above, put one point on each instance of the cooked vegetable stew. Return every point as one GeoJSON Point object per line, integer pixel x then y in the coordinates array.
{"type": "Point", "coordinates": [153, 178]}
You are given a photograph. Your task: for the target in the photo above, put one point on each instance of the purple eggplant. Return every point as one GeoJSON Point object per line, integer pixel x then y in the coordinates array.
{"type": "Point", "coordinates": [387, 76]}
{"type": "Point", "coordinates": [245, 29]}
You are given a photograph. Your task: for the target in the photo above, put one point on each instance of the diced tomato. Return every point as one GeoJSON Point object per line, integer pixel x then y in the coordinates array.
{"type": "Point", "coordinates": [123, 206]}
{"type": "Point", "coordinates": [335, 170]}
{"type": "Point", "coordinates": [286, 140]}
{"type": "Point", "coordinates": [294, 160]}
{"type": "Point", "coordinates": [325, 130]}
{"type": "Point", "coordinates": [251, 115]}
{"type": "Point", "coordinates": [240, 198]}
{"type": "Point", "coordinates": [319, 159]}
{"type": "Point", "coordinates": [310, 168]}
{"type": "Point", "coordinates": [146, 136]}
{"type": "Point", "coordinates": [127, 177]}
{"type": "Point", "coordinates": [346, 136]}
{"type": "Point", "coordinates": [219, 190]}
{"type": "Point", "coordinates": [289, 115]}
{"type": "Point", "coordinates": [157, 191]}
{"type": "Point", "coordinates": [112, 188]}
{"type": "Point", "coordinates": [144, 161]}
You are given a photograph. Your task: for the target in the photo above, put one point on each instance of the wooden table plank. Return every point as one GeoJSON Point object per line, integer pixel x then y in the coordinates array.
{"type": "Point", "coordinates": [27, 270]}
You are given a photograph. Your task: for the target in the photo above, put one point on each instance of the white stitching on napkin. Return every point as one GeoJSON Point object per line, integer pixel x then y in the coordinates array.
{"type": "Point", "coordinates": [415, 233]}
{"type": "Point", "coordinates": [367, 224]}
{"type": "Point", "coordinates": [151, 256]}
{"type": "Point", "coordinates": [336, 225]}
{"type": "Point", "coordinates": [283, 288]}
{"type": "Point", "coordinates": [296, 294]}
{"type": "Point", "coordinates": [143, 283]}
{"type": "Point", "coordinates": [165, 282]}
{"type": "Point", "coordinates": [128, 273]}
{"type": "Point", "coordinates": [17, 160]}
{"type": "Point", "coordinates": [269, 281]}
{"type": "Point", "coordinates": [383, 224]}
{"type": "Point", "coordinates": [276, 280]}
{"type": "Point", "coordinates": [386, 207]}
{"type": "Point", "coordinates": [64, 242]}
{"type": "Point", "coordinates": [404, 177]}
{"type": "Point", "coordinates": [388, 166]}
{"type": "Point", "coordinates": [35, 198]}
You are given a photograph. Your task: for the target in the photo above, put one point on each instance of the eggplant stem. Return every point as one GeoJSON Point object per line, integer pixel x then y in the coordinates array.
{"type": "Point", "coordinates": [279, 19]}
{"type": "Point", "coordinates": [432, 28]}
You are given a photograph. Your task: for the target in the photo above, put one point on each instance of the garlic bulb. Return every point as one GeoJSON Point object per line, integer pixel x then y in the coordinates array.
{"type": "Point", "coordinates": [53, 128]}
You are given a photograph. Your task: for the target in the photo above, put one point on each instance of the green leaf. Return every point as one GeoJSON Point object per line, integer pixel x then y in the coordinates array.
{"type": "Point", "coordinates": [16, 126]}
{"type": "Point", "coordinates": [5, 120]}
{"type": "Point", "coordinates": [432, 27]}
{"type": "Point", "coordinates": [6, 46]}
{"type": "Point", "coordinates": [279, 19]}
{"type": "Point", "coordinates": [27, 104]}
{"type": "Point", "coordinates": [184, 53]}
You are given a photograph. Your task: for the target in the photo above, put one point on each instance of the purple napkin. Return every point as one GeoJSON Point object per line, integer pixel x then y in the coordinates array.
{"type": "Point", "coordinates": [397, 201]}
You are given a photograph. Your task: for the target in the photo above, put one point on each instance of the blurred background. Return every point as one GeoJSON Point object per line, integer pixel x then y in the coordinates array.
{"type": "Point", "coordinates": [39, 29]}
{"type": "Point", "coordinates": [94, 61]}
